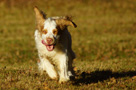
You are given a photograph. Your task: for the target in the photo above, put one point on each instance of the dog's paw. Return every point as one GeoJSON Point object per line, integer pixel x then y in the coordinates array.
{"type": "Point", "coordinates": [63, 80]}
{"type": "Point", "coordinates": [54, 78]}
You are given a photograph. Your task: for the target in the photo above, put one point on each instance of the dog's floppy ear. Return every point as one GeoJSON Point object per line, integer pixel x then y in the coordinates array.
{"type": "Point", "coordinates": [40, 18]}
{"type": "Point", "coordinates": [63, 22]}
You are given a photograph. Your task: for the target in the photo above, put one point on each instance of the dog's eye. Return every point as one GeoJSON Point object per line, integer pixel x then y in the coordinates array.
{"type": "Point", "coordinates": [44, 31]}
{"type": "Point", "coordinates": [55, 31]}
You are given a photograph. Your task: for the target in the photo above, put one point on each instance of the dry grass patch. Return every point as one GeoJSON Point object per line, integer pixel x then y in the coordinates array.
{"type": "Point", "coordinates": [104, 43]}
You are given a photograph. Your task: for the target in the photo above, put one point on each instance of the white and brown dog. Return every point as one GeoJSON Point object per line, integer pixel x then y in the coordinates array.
{"type": "Point", "coordinates": [53, 42]}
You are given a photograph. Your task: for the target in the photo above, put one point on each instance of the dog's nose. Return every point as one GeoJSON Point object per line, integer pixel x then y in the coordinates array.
{"type": "Point", "coordinates": [49, 40]}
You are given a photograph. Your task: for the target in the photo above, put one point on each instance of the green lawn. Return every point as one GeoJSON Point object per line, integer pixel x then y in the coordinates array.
{"type": "Point", "coordinates": [104, 43]}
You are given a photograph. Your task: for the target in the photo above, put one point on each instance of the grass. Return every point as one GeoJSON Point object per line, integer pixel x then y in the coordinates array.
{"type": "Point", "coordinates": [104, 43]}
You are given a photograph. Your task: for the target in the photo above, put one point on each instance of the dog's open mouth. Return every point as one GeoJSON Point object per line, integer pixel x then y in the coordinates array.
{"type": "Point", "coordinates": [49, 47]}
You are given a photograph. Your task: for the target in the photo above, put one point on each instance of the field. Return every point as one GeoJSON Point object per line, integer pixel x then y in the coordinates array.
{"type": "Point", "coordinates": [104, 42]}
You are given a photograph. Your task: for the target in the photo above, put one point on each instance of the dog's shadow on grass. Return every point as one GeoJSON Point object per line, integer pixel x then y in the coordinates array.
{"type": "Point", "coordinates": [94, 77]}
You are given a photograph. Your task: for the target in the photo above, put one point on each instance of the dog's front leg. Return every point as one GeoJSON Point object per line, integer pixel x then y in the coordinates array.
{"type": "Point", "coordinates": [44, 64]}
{"type": "Point", "coordinates": [63, 68]}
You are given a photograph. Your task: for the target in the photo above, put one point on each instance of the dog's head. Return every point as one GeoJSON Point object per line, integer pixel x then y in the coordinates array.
{"type": "Point", "coordinates": [50, 28]}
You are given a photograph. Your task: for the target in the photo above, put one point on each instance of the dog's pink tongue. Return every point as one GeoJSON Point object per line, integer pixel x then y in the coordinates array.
{"type": "Point", "coordinates": [43, 42]}
{"type": "Point", "coordinates": [50, 47]}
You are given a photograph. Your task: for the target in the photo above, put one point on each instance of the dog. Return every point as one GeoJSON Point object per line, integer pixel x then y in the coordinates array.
{"type": "Point", "coordinates": [53, 42]}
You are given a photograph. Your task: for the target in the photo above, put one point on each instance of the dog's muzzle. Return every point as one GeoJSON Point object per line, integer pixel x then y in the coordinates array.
{"type": "Point", "coordinates": [50, 47]}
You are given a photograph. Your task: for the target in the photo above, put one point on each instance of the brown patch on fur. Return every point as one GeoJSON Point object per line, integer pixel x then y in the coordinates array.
{"type": "Point", "coordinates": [40, 18]}
{"type": "Point", "coordinates": [63, 22]}
{"type": "Point", "coordinates": [44, 31]}
{"type": "Point", "coordinates": [38, 60]}
{"type": "Point", "coordinates": [55, 31]}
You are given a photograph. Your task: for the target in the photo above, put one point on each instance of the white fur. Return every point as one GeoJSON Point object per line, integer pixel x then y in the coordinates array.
{"type": "Point", "coordinates": [49, 25]}
{"type": "Point", "coordinates": [61, 56]}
